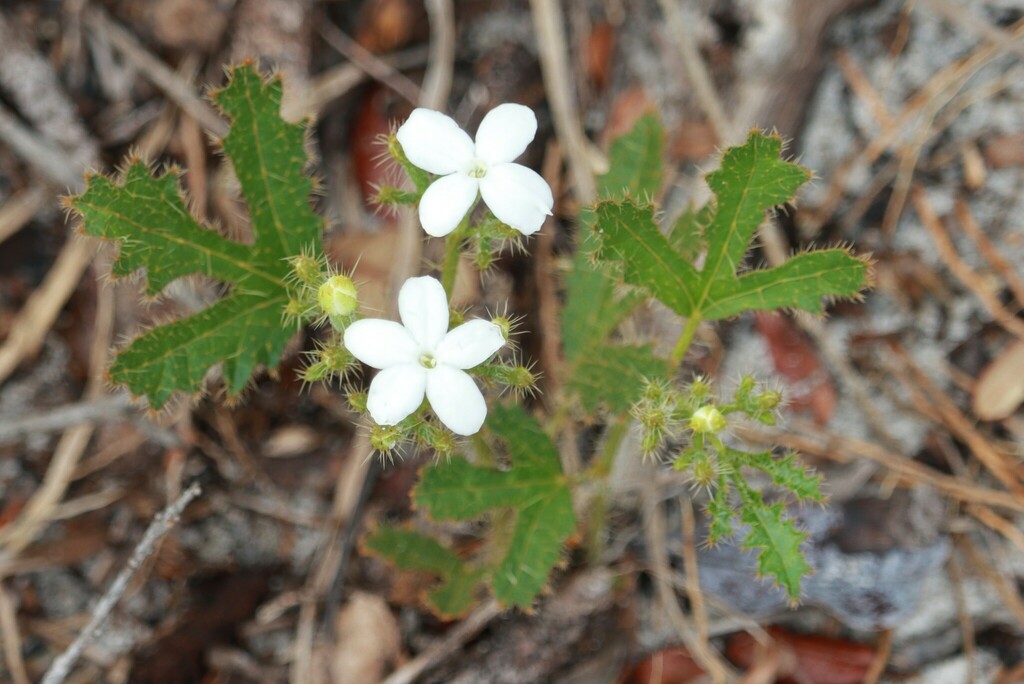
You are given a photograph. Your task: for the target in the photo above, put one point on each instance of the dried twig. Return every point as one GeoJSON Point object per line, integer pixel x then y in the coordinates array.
{"type": "Point", "coordinates": [989, 251]}
{"type": "Point", "coordinates": [811, 439]}
{"type": "Point", "coordinates": [98, 410]}
{"type": "Point", "coordinates": [20, 208]}
{"type": "Point", "coordinates": [152, 67]}
{"type": "Point", "coordinates": [655, 538]}
{"type": "Point", "coordinates": [161, 525]}
{"type": "Point", "coordinates": [11, 639]}
{"type": "Point", "coordinates": [368, 62]}
{"type": "Point", "coordinates": [558, 82]}
{"type": "Point", "coordinates": [972, 280]}
{"type": "Point", "coordinates": [697, 72]}
{"type": "Point", "coordinates": [455, 639]}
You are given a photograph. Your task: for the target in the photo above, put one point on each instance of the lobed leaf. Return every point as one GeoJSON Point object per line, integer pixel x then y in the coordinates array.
{"type": "Point", "coordinates": [776, 538]}
{"type": "Point", "coordinates": [147, 215]}
{"type": "Point", "coordinates": [789, 474]}
{"type": "Point", "coordinates": [629, 234]}
{"type": "Point", "coordinates": [802, 282]}
{"type": "Point", "coordinates": [534, 488]}
{"type": "Point", "coordinates": [635, 161]}
{"type": "Point", "coordinates": [615, 375]}
{"type": "Point", "coordinates": [600, 372]}
{"type": "Point", "coordinates": [752, 179]}
{"type": "Point", "coordinates": [411, 550]}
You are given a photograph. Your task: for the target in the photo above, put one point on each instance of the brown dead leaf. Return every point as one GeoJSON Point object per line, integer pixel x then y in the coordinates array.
{"type": "Point", "coordinates": [369, 642]}
{"type": "Point", "coordinates": [289, 441]}
{"type": "Point", "coordinates": [1005, 150]}
{"type": "Point", "coordinates": [1000, 389]}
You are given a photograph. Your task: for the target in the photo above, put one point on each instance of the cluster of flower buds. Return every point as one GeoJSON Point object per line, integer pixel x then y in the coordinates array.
{"type": "Point", "coordinates": [693, 417]}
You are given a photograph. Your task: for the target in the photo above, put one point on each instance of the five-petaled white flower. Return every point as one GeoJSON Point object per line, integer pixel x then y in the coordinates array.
{"type": "Point", "coordinates": [517, 196]}
{"type": "Point", "coordinates": [420, 356]}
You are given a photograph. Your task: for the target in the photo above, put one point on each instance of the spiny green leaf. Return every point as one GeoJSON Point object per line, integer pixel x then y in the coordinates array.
{"type": "Point", "coordinates": [614, 375]}
{"type": "Point", "coordinates": [411, 550]}
{"type": "Point", "coordinates": [147, 215]}
{"type": "Point", "coordinates": [635, 163]}
{"type": "Point", "coordinates": [800, 283]}
{"type": "Point", "coordinates": [776, 538]}
{"type": "Point", "coordinates": [720, 513]}
{"type": "Point", "coordinates": [687, 235]}
{"type": "Point", "coordinates": [629, 234]}
{"type": "Point", "coordinates": [752, 179]}
{"type": "Point", "coordinates": [788, 473]}
{"type": "Point", "coordinates": [534, 488]}
{"type": "Point", "coordinates": [593, 308]}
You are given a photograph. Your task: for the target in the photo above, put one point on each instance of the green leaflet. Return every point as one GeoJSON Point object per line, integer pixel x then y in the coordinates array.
{"type": "Point", "coordinates": [776, 538]}
{"type": "Point", "coordinates": [751, 180]}
{"type": "Point", "coordinates": [147, 215]}
{"type": "Point", "coordinates": [600, 371]}
{"type": "Point", "coordinates": [635, 163]}
{"type": "Point", "coordinates": [411, 550]}
{"type": "Point", "coordinates": [534, 488]}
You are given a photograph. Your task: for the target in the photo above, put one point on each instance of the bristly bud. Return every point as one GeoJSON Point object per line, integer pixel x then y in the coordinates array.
{"type": "Point", "coordinates": [419, 177]}
{"type": "Point", "coordinates": [504, 324]}
{"type": "Point", "coordinates": [391, 196]}
{"type": "Point", "coordinates": [338, 297]}
{"type": "Point", "coordinates": [651, 441]}
{"type": "Point", "coordinates": [700, 389]}
{"type": "Point", "coordinates": [705, 473]}
{"type": "Point", "coordinates": [483, 259]}
{"type": "Point", "coordinates": [332, 361]}
{"type": "Point", "coordinates": [307, 270]}
{"type": "Point", "coordinates": [443, 443]}
{"type": "Point", "coordinates": [357, 400]}
{"type": "Point", "coordinates": [769, 400]}
{"type": "Point", "coordinates": [746, 386]}
{"type": "Point", "coordinates": [298, 311]}
{"type": "Point", "coordinates": [707, 419]}
{"type": "Point", "coordinates": [384, 438]}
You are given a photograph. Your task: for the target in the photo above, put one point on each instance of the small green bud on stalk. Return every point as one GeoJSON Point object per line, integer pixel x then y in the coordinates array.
{"type": "Point", "coordinates": [357, 401]}
{"type": "Point", "coordinates": [707, 419]}
{"type": "Point", "coordinates": [337, 297]}
{"type": "Point", "coordinates": [384, 438]}
{"type": "Point", "coordinates": [307, 270]}
{"type": "Point", "coordinates": [769, 400]}
{"type": "Point", "coordinates": [504, 324]}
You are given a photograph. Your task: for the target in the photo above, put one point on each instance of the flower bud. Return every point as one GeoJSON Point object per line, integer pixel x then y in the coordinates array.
{"type": "Point", "coordinates": [338, 296]}
{"type": "Point", "coordinates": [384, 438]}
{"type": "Point", "coordinates": [504, 324]}
{"type": "Point", "coordinates": [700, 388]}
{"type": "Point", "coordinates": [769, 400]}
{"type": "Point", "coordinates": [707, 419]}
{"type": "Point", "coordinates": [307, 270]}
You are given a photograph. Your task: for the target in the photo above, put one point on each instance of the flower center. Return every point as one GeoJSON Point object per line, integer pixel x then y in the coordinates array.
{"type": "Point", "coordinates": [427, 360]}
{"type": "Point", "coordinates": [477, 169]}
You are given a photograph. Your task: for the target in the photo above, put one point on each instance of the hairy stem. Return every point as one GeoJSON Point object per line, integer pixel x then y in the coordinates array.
{"type": "Point", "coordinates": [452, 252]}
{"type": "Point", "coordinates": [685, 339]}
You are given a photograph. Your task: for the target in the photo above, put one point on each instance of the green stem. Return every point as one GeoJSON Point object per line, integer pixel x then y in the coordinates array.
{"type": "Point", "coordinates": [683, 344]}
{"type": "Point", "coordinates": [452, 252]}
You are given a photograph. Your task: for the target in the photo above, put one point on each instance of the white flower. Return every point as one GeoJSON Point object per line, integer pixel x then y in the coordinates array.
{"type": "Point", "coordinates": [420, 356]}
{"type": "Point", "coordinates": [517, 196]}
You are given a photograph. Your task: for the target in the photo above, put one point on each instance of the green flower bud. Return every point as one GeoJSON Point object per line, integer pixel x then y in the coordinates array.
{"type": "Point", "coordinates": [707, 419]}
{"type": "Point", "coordinates": [504, 324]}
{"type": "Point", "coordinates": [384, 438]}
{"type": "Point", "coordinates": [338, 296]}
{"type": "Point", "coordinates": [307, 270]}
{"type": "Point", "coordinates": [769, 400]}
{"type": "Point", "coordinates": [357, 401]}
{"type": "Point", "coordinates": [700, 389]}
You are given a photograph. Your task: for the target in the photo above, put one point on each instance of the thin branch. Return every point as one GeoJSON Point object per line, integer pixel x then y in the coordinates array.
{"type": "Point", "coordinates": [455, 639]}
{"type": "Point", "coordinates": [558, 83]}
{"type": "Point", "coordinates": [163, 523]}
{"type": "Point", "coordinates": [368, 62]}
{"type": "Point", "coordinates": [99, 410]}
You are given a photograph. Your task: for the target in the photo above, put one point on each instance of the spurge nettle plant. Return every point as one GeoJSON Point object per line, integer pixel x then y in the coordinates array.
{"type": "Point", "coordinates": [438, 380]}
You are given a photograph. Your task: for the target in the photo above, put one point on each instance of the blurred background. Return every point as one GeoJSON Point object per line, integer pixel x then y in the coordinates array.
{"type": "Point", "coordinates": [911, 115]}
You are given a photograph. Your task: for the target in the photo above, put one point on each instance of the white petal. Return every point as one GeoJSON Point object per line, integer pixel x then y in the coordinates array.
{"type": "Point", "coordinates": [435, 143]}
{"type": "Point", "coordinates": [396, 392]}
{"type": "Point", "coordinates": [423, 306]}
{"type": "Point", "coordinates": [381, 344]}
{"type": "Point", "coordinates": [518, 196]}
{"type": "Point", "coordinates": [504, 133]}
{"type": "Point", "coordinates": [456, 400]}
{"type": "Point", "coordinates": [446, 202]}
{"type": "Point", "coordinates": [470, 344]}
